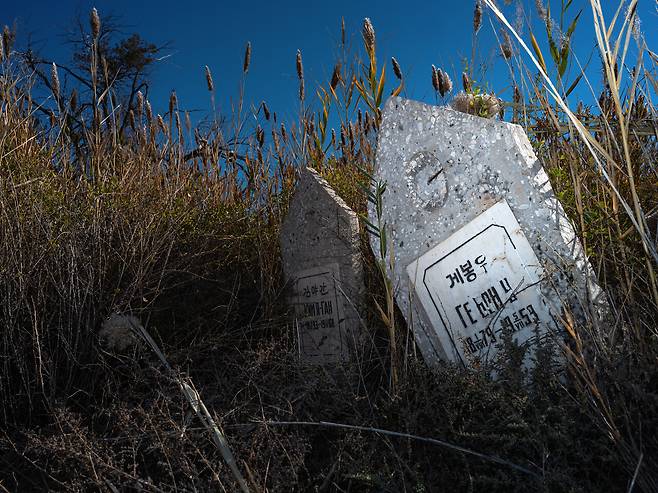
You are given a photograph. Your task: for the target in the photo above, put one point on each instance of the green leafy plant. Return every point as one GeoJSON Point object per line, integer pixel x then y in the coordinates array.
{"type": "Point", "coordinates": [375, 194]}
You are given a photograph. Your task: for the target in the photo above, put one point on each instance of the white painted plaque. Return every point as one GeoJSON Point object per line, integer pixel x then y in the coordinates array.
{"type": "Point", "coordinates": [318, 309]}
{"type": "Point", "coordinates": [481, 282]}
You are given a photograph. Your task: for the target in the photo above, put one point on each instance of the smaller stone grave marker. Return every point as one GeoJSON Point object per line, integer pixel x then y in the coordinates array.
{"type": "Point", "coordinates": [323, 270]}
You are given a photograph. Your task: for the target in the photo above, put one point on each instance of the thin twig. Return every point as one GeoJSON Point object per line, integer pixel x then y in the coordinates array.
{"type": "Point", "coordinates": [434, 441]}
{"type": "Point", "coordinates": [637, 470]}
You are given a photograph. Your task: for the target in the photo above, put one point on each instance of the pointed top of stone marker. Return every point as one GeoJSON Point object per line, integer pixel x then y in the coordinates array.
{"type": "Point", "coordinates": [320, 247]}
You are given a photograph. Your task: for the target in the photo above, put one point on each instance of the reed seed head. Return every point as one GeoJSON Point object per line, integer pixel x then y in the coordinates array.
{"type": "Point", "coordinates": [445, 82]}
{"type": "Point", "coordinates": [149, 111]}
{"type": "Point", "coordinates": [209, 81]}
{"type": "Point", "coordinates": [300, 65]}
{"type": "Point", "coordinates": [436, 81]}
{"type": "Point", "coordinates": [179, 127]}
{"type": "Point", "coordinates": [541, 9]}
{"type": "Point", "coordinates": [260, 136]}
{"type": "Point", "coordinates": [161, 123]}
{"type": "Point", "coordinates": [266, 111]}
{"type": "Point", "coordinates": [140, 102]}
{"type": "Point", "coordinates": [506, 45]}
{"type": "Point", "coordinates": [275, 139]}
{"type": "Point", "coordinates": [342, 30]}
{"type": "Point", "coordinates": [519, 18]}
{"type": "Point", "coordinates": [73, 102]}
{"type": "Point", "coordinates": [8, 37]}
{"type": "Point", "coordinates": [335, 76]}
{"type": "Point", "coordinates": [173, 102]}
{"type": "Point", "coordinates": [466, 83]}
{"type": "Point", "coordinates": [54, 79]}
{"type": "Point", "coordinates": [636, 24]}
{"type": "Point", "coordinates": [95, 23]}
{"type": "Point", "coordinates": [247, 58]}
{"type": "Point", "coordinates": [477, 17]}
{"type": "Point", "coordinates": [396, 68]}
{"type": "Point", "coordinates": [188, 122]}
{"type": "Point", "coordinates": [368, 33]}
{"type": "Point", "coordinates": [106, 72]}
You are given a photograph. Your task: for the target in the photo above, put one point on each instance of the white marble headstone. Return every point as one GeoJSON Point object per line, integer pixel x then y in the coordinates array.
{"type": "Point", "coordinates": [481, 246]}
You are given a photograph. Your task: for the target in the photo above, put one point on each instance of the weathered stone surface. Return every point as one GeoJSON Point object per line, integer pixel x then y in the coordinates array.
{"type": "Point", "coordinates": [481, 245]}
{"type": "Point", "coordinates": [323, 270]}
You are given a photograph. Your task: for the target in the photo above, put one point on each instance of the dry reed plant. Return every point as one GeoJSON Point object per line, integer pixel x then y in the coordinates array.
{"type": "Point", "coordinates": [609, 160]}
{"type": "Point", "coordinates": [178, 225]}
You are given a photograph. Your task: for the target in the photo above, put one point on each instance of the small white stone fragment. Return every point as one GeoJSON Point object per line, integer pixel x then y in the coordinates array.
{"type": "Point", "coordinates": [118, 331]}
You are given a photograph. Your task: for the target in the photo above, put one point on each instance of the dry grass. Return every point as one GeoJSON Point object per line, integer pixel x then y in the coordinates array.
{"type": "Point", "coordinates": [179, 229]}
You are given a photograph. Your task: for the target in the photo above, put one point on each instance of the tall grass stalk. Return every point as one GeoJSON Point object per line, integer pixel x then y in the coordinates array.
{"type": "Point", "coordinates": [593, 146]}
{"type": "Point", "coordinates": [192, 395]}
{"type": "Point", "coordinates": [617, 179]}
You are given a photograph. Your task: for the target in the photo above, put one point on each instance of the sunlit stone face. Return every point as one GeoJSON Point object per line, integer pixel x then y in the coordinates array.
{"type": "Point", "coordinates": [481, 246]}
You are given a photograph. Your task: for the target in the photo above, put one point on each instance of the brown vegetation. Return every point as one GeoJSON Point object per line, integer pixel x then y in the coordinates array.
{"type": "Point", "coordinates": [179, 229]}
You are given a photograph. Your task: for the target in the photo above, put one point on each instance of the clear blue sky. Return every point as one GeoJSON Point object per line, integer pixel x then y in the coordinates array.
{"type": "Point", "coordinates": [214, 33]}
